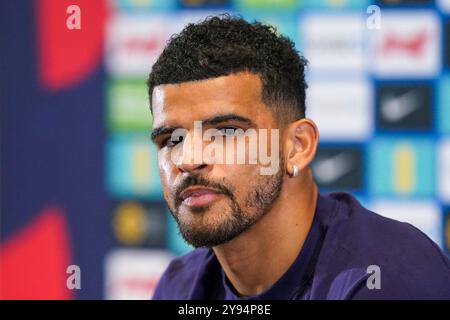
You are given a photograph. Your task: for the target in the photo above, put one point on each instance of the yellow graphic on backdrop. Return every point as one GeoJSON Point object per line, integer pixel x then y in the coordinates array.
{"type": "Point", "coordinates": [130, 224]}
{"type": "Point", "coordinates": [141, 172]}
{"type": "Point", "coordinates": [404, 169]}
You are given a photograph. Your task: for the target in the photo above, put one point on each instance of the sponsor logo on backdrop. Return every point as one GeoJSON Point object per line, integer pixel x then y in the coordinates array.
{"type": "Point", "coordinates": [404, 107]}
{"type": "Point", "coordinates": [135, 41]}
{"type": "Point", "coordinates": [414, 46]}
{"type": "Point", "coordinates": [133, 274]}
{"type": "Point", "coordinates": [333, 43]}
{"type": "Point", "coordinates": [140, 224]}
{"type": "Point", "coordinates": [128, 106]}
{"type": "Point", "coordinates": [443, 151]}
{"type": "Point", "coordinates": [338, 168]}
{"type": "Point", "coordinates": [132, 167]}
{"type": "Point", "coordinates": [425, 215]}
{"type": "Point", "coordinates": [341, 109]}
{"type": "Point", "coordinates": [408, 45]}
{"type": "Point", "coordinates": [401, 167]}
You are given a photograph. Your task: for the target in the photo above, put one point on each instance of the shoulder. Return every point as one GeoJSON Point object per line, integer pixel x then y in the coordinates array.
{"type": "Point", "coordinates": [411, 265]}
{"type": "Point", "coordinates": [179, 277]}
{"type": "Point", "coordinates": [367, 235]}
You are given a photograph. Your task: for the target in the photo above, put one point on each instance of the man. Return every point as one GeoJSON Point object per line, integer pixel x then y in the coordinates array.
{"type": "Point", "coordinates": [266, 234]}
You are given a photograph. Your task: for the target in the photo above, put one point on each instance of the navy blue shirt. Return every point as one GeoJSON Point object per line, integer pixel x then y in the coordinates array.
{"type": "Point", "coordinates": [345, 239]}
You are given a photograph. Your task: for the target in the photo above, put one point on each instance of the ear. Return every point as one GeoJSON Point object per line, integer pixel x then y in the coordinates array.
{"type": "Point", "coordinates": [301, 141]}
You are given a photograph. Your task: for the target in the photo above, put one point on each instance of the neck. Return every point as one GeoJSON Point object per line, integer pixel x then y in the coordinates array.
{"type": "Point", "coordinates": [258, 258]}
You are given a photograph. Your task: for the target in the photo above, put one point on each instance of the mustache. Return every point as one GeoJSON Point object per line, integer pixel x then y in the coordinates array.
{"type": "Point", "coordinates": [196, 180]}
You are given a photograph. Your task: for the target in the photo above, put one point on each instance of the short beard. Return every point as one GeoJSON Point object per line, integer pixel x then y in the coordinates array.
{"type": "Point", "coordinates": [259, 200]}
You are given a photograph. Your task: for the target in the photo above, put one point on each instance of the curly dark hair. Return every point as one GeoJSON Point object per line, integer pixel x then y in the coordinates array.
{"type": "Point", "coordinates": [223, 45]}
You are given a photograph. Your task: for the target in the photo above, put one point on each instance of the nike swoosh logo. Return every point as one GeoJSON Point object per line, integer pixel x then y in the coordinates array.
{"type": "Point", "coordinates": [331, 169]}
{"type": "Point", "coordinates": [395, 109]}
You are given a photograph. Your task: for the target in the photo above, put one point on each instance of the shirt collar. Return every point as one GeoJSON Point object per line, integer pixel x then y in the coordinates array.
{"type": "Point", "coordinates": [299, 275]}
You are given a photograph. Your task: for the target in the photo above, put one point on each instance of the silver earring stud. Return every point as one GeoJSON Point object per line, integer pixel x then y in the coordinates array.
{"type": "Point", "coordinates": [294, 170]}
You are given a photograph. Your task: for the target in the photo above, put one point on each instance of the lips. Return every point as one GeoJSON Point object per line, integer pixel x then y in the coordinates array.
{"type": "Point", "coordinates": [199, 196]}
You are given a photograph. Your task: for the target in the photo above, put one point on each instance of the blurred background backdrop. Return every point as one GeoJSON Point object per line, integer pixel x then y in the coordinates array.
{"type": "Point", "coordinates": [79, 181]}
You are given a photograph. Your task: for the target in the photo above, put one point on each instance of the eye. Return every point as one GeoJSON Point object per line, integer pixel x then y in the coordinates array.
{"type": "Point", "coordinates": [171, 141]}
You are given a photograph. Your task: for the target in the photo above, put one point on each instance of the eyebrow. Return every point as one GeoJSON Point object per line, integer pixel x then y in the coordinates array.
{"type": "Point", "coordinates": [156, 132]}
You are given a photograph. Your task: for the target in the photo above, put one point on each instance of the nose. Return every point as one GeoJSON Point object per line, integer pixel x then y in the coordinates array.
{"type": "Point", "coordinates": [191, 159]}
{"type": "Point", "coordinates": [191, 167]}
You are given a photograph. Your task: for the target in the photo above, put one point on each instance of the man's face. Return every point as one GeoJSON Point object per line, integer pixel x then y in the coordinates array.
{"type": "Point", "coordinates": [214, 202]}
